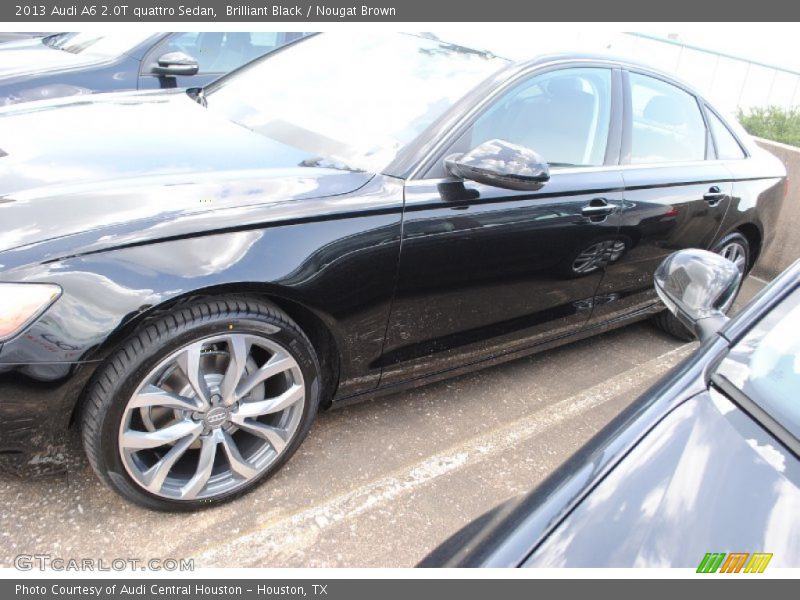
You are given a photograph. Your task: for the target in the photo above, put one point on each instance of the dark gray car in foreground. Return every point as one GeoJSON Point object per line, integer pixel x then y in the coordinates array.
{"type": "Point", "coordinates": [704, 463]}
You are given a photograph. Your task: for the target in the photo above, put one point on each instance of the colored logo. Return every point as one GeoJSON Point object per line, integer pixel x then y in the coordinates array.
{"type": "Point", "coordinates": [734, 562]}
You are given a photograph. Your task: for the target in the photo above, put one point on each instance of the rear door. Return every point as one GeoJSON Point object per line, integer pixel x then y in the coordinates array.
{"type": "Point", "coordinates": [676, 191]}
{"type": "Point", "coordinates": [486, 271]}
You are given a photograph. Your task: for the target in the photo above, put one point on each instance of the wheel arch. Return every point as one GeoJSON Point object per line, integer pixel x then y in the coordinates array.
{"type": "Point", "coordinates": [752, 232]}
{"type": "Point", "coordinates": [319, 328]}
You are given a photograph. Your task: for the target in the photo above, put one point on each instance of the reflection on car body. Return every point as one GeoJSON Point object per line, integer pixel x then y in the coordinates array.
{"type": "Point", "coordinates": [244, 253]}
{"type": "Point", "coordinates": [670, 479]}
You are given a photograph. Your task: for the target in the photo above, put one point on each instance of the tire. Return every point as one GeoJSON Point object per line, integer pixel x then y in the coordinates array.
{"type": "Point", "coordinates": [667, 322]}
{"type": "Point", "coordinates": [225, 430]}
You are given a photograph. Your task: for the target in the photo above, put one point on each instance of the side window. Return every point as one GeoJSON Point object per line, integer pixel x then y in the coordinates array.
{"type": "Point", "coordinates": [667, 125]}
{"type": "Point", "coordinates": [220, 52]}
{"type": "Point", "coordinates": [563, 115]}
{"type": "Point", "coordinates": [727, 146]}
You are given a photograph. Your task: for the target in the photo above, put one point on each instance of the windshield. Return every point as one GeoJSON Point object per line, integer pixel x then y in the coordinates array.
{"type": "Point", "coordinates": [765, 364]}
{"type": "Point", "coordinates": [351, 101]}
{"type": "Point", "coordinates": [101, 45]}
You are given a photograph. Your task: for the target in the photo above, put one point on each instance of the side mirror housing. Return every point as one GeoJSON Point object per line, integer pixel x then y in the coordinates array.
{"type": "Point", "coordinates": [500, 164]}
{"type": "Point", "coordinates": [698, 287]}
{"type": "Point", "coordinates": [174, 64]}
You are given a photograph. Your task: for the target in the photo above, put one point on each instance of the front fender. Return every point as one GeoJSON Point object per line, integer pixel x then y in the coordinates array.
{"type": "Point", "coordinates": [341, 267]}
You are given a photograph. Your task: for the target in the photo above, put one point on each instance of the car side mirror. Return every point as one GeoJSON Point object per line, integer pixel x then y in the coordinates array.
{"type": "Point", "coordinates": [500, 164]}
{"type": "Point", "coordinates": [698, 287]}
{"type": "Point", "coordinates": [174, 64]}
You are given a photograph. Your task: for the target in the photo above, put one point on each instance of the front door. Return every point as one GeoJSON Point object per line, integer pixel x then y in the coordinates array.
{"type": "Point", "coordinates": [486, 271]}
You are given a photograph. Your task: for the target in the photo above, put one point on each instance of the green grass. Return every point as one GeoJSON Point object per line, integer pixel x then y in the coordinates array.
{"type": "Point", "coordinates": [773, 123]}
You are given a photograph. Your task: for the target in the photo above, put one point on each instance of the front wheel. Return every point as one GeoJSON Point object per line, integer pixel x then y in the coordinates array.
{"type": "Point", "coordinates": [736, 249]}
{"type": "Point", "coordinates": [202, 405]}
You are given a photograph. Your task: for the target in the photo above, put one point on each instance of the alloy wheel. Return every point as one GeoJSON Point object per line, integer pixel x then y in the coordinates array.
{"type": "Point", "coordinates": [212, 416]}
{"type": "Point", "coordinates": [736, 253]}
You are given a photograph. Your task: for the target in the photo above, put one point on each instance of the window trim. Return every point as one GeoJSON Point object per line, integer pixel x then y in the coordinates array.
{"type": "Point", "coordinates": [770, 299]}
{"type": "Point", "coordinates": [425, 168]}
{"type": "Point", "coordinates": [710, 109]}
{"type": "Point", "coordinates": [628, 124]}
{"type": "Point", "coordinates": [760, 415]}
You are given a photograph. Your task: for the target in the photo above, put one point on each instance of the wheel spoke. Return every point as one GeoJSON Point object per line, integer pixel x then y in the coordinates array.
{"type": "Point", "coordinates": [189, 362]}
{"type": "Point", "coordinates": [238, 464]}
{"type": "Point", "coordinates": [276, 437]}
{"type": "Point", "coordinates": [271, 405]}
{"type": "Point", "coordinates": [156, 475]}
{"type": "Point", "coordinates": [736, 254]}
{"type": "Point", "coordinates": [278, 363]}
{"type": "Point", "coordinates": [140, 440]}
{"type": "Point", "coordinates": [205, 463]}
{"type": "Point", "coordinates": [238, 348]}
{"type": "Point", "coordinates": [155, 396]}
{"type": "Point", "coordinates": [210, 393]}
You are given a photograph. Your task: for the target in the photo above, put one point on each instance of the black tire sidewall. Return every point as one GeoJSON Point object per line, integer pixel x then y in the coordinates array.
{"type": "Point", "coordinates": [291, 339]}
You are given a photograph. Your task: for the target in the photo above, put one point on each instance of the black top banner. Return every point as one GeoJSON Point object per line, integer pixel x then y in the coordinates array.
{"type": "Point", "coordinates": [394, 11]}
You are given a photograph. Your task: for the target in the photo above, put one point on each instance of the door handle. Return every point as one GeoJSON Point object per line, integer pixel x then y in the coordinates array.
{"type": "Point", "coordinates": [598, 207]}
{"type": "Point", "coordinates": [714, 195]}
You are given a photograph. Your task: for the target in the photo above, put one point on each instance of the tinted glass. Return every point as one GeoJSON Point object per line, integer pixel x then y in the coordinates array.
{"type": "Point", "coordinates": [352, 101]}
{"type": "Point", "coordinates": [220, 52]}
{"type": "Point", "coordinates": [667, 123]}
{"type": "Point", "coordinates": [563, 115]}
{"type": "Point", "coordinates": [765, 364]}
{"type": "Point", "coordinates": [727, 146]}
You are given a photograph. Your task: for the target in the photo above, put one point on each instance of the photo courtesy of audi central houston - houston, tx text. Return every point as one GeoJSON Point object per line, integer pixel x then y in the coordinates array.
{"type": "Point", "coordinates": [361, 298]}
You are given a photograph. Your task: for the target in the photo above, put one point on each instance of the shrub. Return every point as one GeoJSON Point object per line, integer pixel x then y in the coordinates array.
{"type": "Point", "coordinates": [773, 123]}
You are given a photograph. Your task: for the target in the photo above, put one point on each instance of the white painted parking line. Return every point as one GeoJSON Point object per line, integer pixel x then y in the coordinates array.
{"type": "Point", "coordinates": [292, 532]}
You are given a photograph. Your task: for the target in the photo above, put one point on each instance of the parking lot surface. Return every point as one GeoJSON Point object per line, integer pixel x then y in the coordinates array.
{"type": "Point", "coordinates": [377, 484]}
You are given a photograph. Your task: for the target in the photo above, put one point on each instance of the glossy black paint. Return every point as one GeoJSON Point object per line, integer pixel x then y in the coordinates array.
{"type": "Point", "coordinates": [684, 470]}
{"type": "Point", "coordinates": [486, 272]}
{"type": "Point", "coordinates": [405, 277]}
{"type": "Point", "coordinates": [30, 70]}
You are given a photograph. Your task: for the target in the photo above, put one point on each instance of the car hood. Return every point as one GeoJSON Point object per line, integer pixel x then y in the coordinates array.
{"type": "Point", "coordinates": [88, 164]}
{"type": "Point", "coordinates": [33, 57]}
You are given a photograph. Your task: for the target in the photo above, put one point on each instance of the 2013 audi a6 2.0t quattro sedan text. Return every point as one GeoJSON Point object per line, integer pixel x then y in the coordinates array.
{"type": "Point", "coordinates": [188, 277]}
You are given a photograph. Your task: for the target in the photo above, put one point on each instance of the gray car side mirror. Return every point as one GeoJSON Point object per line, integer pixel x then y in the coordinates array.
{"type": "Point", "coordinates": [698, 287]}
{"type": "Point", "coordinates": [174, 64]}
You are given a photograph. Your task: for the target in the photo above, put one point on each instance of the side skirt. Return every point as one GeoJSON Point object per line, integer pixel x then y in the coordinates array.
{"type": "Point", "coordinates": [497, 359]}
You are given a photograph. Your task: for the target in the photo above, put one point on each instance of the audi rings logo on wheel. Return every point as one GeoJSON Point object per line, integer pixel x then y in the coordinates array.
{"type": "Point", "coordinates": [216, 417]}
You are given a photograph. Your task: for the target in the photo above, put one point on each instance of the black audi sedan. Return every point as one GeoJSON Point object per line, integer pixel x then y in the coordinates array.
{"type": "Point", "coordinates": [72, 63]}
{"type": "Point", "coordinates": [702, 471]}
{"type": "Point", "coordinates": [188, 276]}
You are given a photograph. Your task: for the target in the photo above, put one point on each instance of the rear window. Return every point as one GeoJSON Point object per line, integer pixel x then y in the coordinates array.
{"type": "Point", "coordinates": [667, 125]}
{"type": "Point", "coordinates": [727, 146]}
